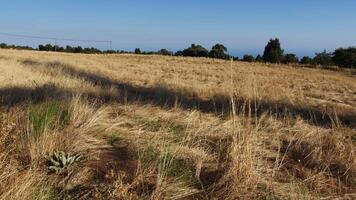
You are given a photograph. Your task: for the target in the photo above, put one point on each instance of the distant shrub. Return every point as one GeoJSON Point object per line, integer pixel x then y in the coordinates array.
{"type": "Point", "coordinates": [77, 49]}
{"type": "Point", "coordinates": [290, 58]}
{"type": "Point", "coordinates": [137, 51]}
{"type": "Point", "coordinates": [248, 58]}
{"type": "Point", "coordinates": [259, 58]}
{"type": "Point", "coordinates": [219, 51]}
{"type": "Point", "coordinates": [179, 53]}
{"type": "Point", "coordinates": [164, 52]}
{"type": "Point", "coordinates": [5, 46]}
{"type": "Point", "coordinates": [273, 52]}
{"type": "Point", "coordinates": [235, 58]}
{"type": "Point", "coordinates": [323, 58]}
{"type": "Point", "coordinates": [307, 61]}
{"type": "Point", "coordinates": [345, 57]}
{"type": "Point", "coordinates": [195, 51]}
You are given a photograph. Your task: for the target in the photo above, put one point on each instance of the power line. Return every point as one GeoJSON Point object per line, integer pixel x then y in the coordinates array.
{"type": "Point", "coordinates": [55, 39]}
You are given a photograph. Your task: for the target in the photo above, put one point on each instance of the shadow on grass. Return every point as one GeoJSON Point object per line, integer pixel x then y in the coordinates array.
{"type": "Point", "coordinates": [165, 97]}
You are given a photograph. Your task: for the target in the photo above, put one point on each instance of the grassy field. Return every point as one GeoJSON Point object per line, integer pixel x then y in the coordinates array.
{"type": "Point", "coordinates": [76, 126]}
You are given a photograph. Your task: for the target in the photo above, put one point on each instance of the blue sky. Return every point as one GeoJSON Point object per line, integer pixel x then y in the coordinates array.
{"type": "Point", "coordinates": [303, 26]}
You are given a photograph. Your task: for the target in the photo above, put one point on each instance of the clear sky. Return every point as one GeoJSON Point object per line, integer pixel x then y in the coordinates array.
{"type": "Point", "coordinates": [303, 26]}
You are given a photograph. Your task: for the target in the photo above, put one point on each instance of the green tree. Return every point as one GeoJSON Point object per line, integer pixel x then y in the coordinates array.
{"type": "Point", "coordinates": [219, 51]}
{"type": "Point", "coordinates": [3, 45]}
{"type": "Point", "coordinates": [345, 57]}
{"type": "Point", "coordinates": [165, 52]}
{"type": "Point", "coordinates": [195, 51]}
{"type": "Point", "coordinates": [290, 58]}
{"type": "Point", "coordinates": [77, 49]}
{"type": "Point", "coordinates": [179, 53]}
{"type": "Point", "coordinates": [49, 47]}
{"type": "Point", "coordinates": [248, 58]}
{"type": "Point", "coordinates": [137, 51]}
{"type": "Point", "coordinates": [273, 52]}
{"type": "Point", "coordinates": [306, 60]}
{"type": "Point", "coordinates": [323, 58]}
{"type": "Point", "coordinates": [259, 58]}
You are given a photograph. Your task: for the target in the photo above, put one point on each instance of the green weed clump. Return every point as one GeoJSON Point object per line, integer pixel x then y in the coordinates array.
{"type": "Point", "coordinates": [49, 115]}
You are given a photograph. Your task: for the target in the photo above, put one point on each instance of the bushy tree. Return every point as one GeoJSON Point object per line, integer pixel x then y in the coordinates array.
{"type": "Point", "coordinates": [219, 51]}
{"type": "Point", "coordinates": [306, 60]}
{"type": "Point", "coordinates": [345, 57]}
{"type": "Point", "coordinates": [290, 58]}
{"type": "Point", "coordinates": [107, 51]}
{"type": "Point", "coordinates": [195, 51]}
{"type": "Point", "coordinates": [137, 51]}
{"type": "Point", "coordinates": [259, 58]}
{"type": "Point", "coordinates": [93, 50]}
{"type": "Point", "coordinates": [323, 58]}
{"type": "Point", "coordinates": [273, 52]}
{"type": "Point", "coordinates": [179, 53]}
{"type": "Point", "coordinates": [77, 49]}
{"type": "Point", "coordinates": [165, 52]}
{"type": "Point", "coordinates": [6, 46]}
{"type": "Point", "coordinates": [3, 45]}
{"type": "Point", "coordinates": [248, 58]}
{"type": "Point", "coordinates": [49, 47]}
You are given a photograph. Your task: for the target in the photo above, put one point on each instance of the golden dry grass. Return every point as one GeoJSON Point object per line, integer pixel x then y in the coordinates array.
{"type": "Point", "coordinates": [154, 127]}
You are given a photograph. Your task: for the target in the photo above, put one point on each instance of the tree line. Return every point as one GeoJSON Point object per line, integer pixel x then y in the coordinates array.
{"type": "Point", "coordinates": [273, 53]}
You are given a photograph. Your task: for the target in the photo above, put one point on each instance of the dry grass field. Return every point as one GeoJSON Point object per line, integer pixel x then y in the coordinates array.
{"type": "Point", "coordinates": [155, 127]}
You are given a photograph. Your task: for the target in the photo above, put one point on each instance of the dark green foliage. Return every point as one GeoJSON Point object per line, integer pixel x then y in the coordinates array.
{"type": "Point", "coordinates": [44, 48]}
{"type": "Point", "coordinates": [273, 52]}
{"type": "Point", "coordinates": [290, 58]}
{"type": "Point", "coordinates": [307, 61]}
{"type": "Point", "coordinates": [345, 57]}
{"type": "Point", "coordinates": [235, 58]}
{"type": "Point", "coordinates": [219, 51]}
{"type": "Point", "coordinates": [137, 51]}
{"type": "Point", "coordinates": [248, 58]}
{"type": "Point", "coordinates": [179, 53]}
{"type": "Point", "coordinates": [93, 50]}
{"type": "Point", "coordinates": [77, 49]}
{"type": "Point", "coordinates": [323, 58]}
{"type": "Point", "coordinates": [259, 58]}
{"type": "Point", "coordinates": [69, 49]}
{"type": "Point", "coordinates": [5, 46]}
{"type": "Point", "coordinates": [165, 52]}
{"type": "Point", "coordinates": [195, 51]}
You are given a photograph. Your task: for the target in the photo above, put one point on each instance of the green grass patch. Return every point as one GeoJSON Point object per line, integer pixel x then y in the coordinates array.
{"type": "Point", "coordinates": [49, 115]}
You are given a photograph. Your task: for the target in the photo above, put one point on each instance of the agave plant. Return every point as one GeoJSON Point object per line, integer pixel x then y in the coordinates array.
{"type": "Point", "coordinates": [61, 160]}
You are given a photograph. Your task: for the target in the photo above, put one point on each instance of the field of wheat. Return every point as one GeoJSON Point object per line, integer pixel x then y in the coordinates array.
{"type": "Point", "coordinates": [76, 126]}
